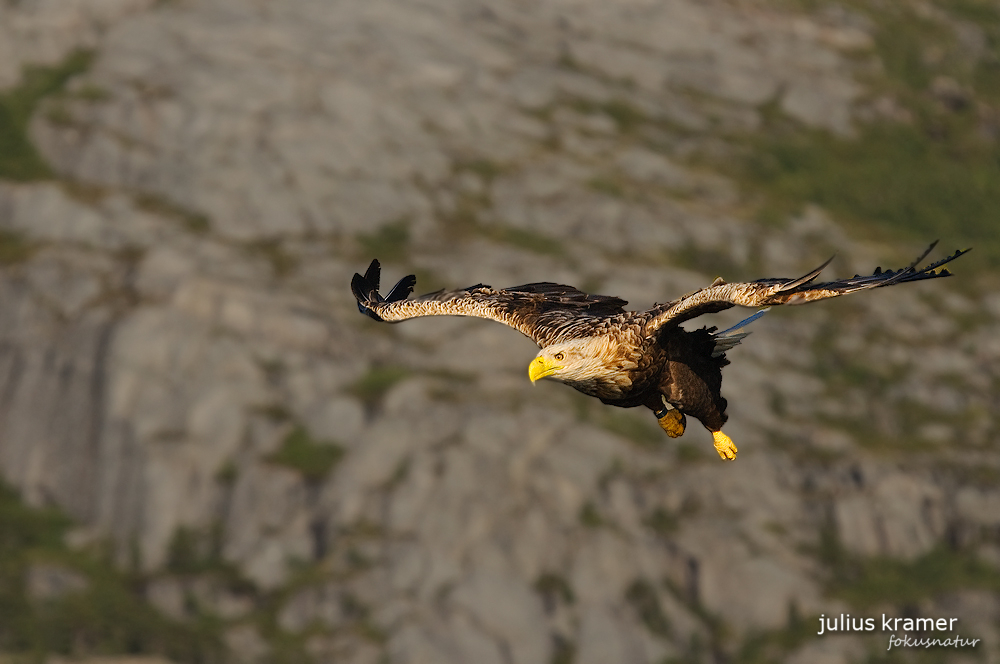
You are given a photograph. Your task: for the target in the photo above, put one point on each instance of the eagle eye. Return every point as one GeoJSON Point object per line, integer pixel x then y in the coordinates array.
{"type": "Point", "coordinates": [559, 356]}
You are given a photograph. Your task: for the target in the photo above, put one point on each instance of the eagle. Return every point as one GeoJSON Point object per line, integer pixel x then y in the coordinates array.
{"type": "Point", "coordinates": [630, 358]}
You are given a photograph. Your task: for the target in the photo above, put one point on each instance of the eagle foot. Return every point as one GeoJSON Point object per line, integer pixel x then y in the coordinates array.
{"type": "Point", "coordinates": [673, 423]}
{"type": "Point", "coordinates": [724, 446]}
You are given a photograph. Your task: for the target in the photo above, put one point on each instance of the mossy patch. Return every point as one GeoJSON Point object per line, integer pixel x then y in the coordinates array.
{"type": "Point", "coordinates": [898, 177]}
{"type": "Point", "coordinates": [630, 426]}
{"type": "Point", "coordinates": [608, 186]}
{"type": "Point", "coordinates": [388, 243]}
{"type": "Point", "coordinates": [109, 616]}
{"type": "Point", "coordinates": [645, 601]}
{"type": "Point", "coordinates": [191, 220]}
{"type": "Point", "coordinates": [590, 516]}
{"type": "Point", "coordinates": [563, 650]}
{"type": "Point", "coordinates": [486, 169]}
{"type": "Point", "coordinates": [371, 387]}
{"type": "Point", "coordinates": [662, 521]}
{"type": "Point", "coordinates": [19, 160]}
{"type": "Point", "coordinates": [277, 256]}
{"type": "Point", "coordinates": [301, 452]}
{"type": "Point", "coordinates": [276, 412]}
{"type": "Point", "coordinates": [627, 118]}
{"type": "Point", "coordinates": [930, 171]}
{"type": "Point", "coordinates": [523, 238]}
{"type": "Point", "coordinates": [192, 551]}
{"type": "Point", "coordinates": [554, 589]}
{"type": "Point", "coordinates": [15, 248]}
{"type": "Point", "coordinates": [868, 582]}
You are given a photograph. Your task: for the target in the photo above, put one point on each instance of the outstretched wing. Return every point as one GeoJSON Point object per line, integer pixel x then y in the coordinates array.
{"type": "Point", "coordinates": [769, 292]}
{"type": "Point", "coordinates": [544, 312]}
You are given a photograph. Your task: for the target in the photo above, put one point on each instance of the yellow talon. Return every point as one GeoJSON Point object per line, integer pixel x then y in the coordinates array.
{"type": "Point", "coordinates": [673, 423]}
{"type": "Point", "coordinates": [724, 446]}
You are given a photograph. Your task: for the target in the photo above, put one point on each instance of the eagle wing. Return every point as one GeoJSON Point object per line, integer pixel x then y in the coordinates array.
{"type": "Point", "coordinates": [544, 312]}
{"type": "Point", "coordinates": [769, 292]}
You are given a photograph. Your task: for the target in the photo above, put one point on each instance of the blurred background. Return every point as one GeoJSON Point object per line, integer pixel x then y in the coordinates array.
{"type": "Point", "coordinates": [209, 456]}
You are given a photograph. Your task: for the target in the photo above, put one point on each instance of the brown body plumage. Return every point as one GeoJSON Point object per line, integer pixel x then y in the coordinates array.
{"type": "Point", "coordinates": [628, 358]}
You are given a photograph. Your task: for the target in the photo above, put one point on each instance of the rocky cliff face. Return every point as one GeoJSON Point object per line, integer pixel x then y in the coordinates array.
{"type": "Point", "coordinates": [182, 368]}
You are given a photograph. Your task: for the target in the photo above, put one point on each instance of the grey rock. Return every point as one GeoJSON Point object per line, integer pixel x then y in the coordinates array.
{"type": "Point", "coordinates": [112, 659]}
{"type": "Point", "coordinates": [357, 650]}
{"type": "Point", "coordinates": [246, 644]}
{"type": "Point", "coordinates": [45, 582]}
{"type": "Point", "coordinates": [50, 212]}
{"type": "Point", "coordinates": [184, 306]}
{"type": "Point", "coordinates": [978, 506]}
{"type": "Point", "coordinates": [413, 645]}
{"type": "Point", "coordinates": [267, 526]}
{"type": "Point", "coordinates": [43, 33]}
{"type": "Point", "coordinates": [830, 649]}
{"type": "Point", "coordinates": [902, 516]}
{"type": "Point", "coordinates": [227, 143]}
{"type": "Point", "coordinates": [598, 572]}
{"type": "Point", "coordinates": [169, 596]}
{"type": "Point", "coordinates": [313, 606]}
{"type": "Point", "coordinates": [768, 586]}
{"type": "Point", "coordinates": [509, 611]}
{"type": "Point", "coordinates": [469, 642]}
{"type": "Point", "coordinates": [989, 554]}
{"type": "Point", "coordinates": [214, 597]}
{"type": "Point", "coordinates": [647, 166]}
{"type": "Point", "coordinates": [604, 638]}
{"type": "Point", "coordinates": [339, 419]}
{"type": "Point", "coordinates": [977, 611]}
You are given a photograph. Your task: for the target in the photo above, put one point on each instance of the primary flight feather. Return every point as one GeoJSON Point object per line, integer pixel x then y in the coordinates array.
{"type": "Point", "coordinates": [629, 358]}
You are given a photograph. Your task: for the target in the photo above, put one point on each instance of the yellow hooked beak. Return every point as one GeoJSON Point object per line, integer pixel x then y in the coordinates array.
{"type": "Point", "coordinates": [541, 367]}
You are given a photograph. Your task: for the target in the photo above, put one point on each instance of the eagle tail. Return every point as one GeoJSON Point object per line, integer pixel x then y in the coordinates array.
{"type": "Point", "coordinates": [731, 337]}
{"type": "Point", "coordinates": [365, 289]}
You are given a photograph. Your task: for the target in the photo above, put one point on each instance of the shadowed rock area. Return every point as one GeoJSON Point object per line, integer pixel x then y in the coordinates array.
{"type": "Point", "coordinates": [183, 370]}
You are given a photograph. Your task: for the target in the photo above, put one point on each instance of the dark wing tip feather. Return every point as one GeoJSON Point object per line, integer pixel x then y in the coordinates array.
{"type": "Point", "coordinates": [373, 274]}
{"type": "Point", "coordinates": [402, 289]}
{"type": "Point", "coordinates": [912, 273]}
{"type": "Point", "coordinates": [361, 288]}
{"type": "Point", "coordinates": [365, 289]}
{"type": "Point", "coordinates": [947, 259]}
{"type": "Point", "coordinates": [924, 255]}
{"type": "Point", "coordinates": [806, 278]}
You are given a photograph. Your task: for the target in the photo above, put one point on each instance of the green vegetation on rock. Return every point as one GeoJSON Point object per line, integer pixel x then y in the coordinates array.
{"type": "Point", "coordinates": [589, 516]}
{"type": "Point", "coordinates": [925, 166]}
{"type": "Point", "coordinates": [271, 250]}
{"type": "Point", "coordinates": [192, 221]}
{"type": "Point", "coordinates": [314, 459]}
{"type": "Point", "coordinates": [387, 243]}
{"type": "Point", "coordinates": [108, 615]}
{"type": "Point", "coordinates": [902, 178]}
{"type": "Point", "coordinates": [633, 428]}
{"type": "Point", "coordinates": [19, 160]}
{"type": "Point", "coordinates": [868, 582]}
{"type": "Point", "coordinates": [645, 601]}
{"type": "Point", "coordinates": [371, 387]}
{"type": "Point", "coordinates": [554, 588]}
{"type": "Point", "coordinates": [14, 248]}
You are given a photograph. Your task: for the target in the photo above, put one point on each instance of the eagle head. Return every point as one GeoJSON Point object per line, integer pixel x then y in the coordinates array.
{"type": "Point", "coordinates": [572, 361]}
